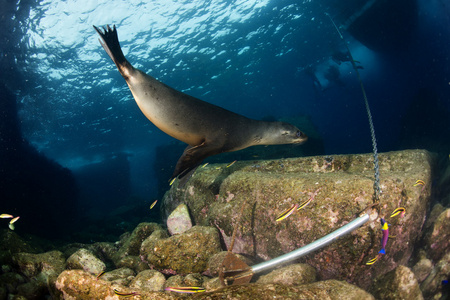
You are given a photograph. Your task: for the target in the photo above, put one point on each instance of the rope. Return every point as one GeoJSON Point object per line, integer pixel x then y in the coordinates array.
{"type": "Point", "coordinates": [376, 183]}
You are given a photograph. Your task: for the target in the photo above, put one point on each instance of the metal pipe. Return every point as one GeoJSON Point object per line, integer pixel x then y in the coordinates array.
{"type": "Point", "coordinates": [322, 242]}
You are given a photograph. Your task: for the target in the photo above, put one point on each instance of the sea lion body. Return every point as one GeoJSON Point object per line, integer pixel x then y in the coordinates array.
{"type": "Point", "coordinates": [206, 128]}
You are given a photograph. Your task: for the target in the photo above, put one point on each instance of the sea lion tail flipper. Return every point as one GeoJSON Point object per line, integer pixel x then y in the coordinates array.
{"type": "Point", "coordinates": [111, 44]}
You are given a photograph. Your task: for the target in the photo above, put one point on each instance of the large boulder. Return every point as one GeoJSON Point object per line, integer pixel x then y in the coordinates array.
{"type": "Point", "coordinates": [184, 253]}
{"type": "Point", "coordinates": [340, 186]}
{"type": "Point", "coordinates": [328, 289]}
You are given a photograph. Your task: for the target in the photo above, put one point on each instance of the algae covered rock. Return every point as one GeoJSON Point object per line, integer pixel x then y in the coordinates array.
{"type": "Point", "coordinates": [438, 238]}
{"type": "Point", "coordinates": [33, 264]}
{"type": "Point", "coordinates": [433, 284]}
{"type": "Point", "coordinates": [149, 243]}
{"type": "Point", "coordinates": [85, 260]}
{"type": "Point", "coordinates": [339, 187]}
{"type": "Point", "coordinates": [149, 280]}
{"type": "Point", "coordinates": [179, 220]}
{"type": "Point", "coordinates": [295, 274]}
{"type": "Point", "coordinates": [121, 276]}
{"type": "Point", "coordinates": [185, 253]}
{"type": "Point", "coordinates": [329, 289]}
{"type": "Point", "coordinates": [422, 269]}
{"type": "Point", "coordinates": [132, 243]}
{"type": "Point", "coordinates": [399, 283]}
{"type": "Point", "coordinates": [80, 285]}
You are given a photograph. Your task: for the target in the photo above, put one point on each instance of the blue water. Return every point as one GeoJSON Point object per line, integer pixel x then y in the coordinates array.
{"type": "Point", "coordinates": [247, 56]}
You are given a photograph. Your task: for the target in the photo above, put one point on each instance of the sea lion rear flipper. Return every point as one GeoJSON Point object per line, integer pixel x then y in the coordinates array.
{"type": "Point", "coordinates": [111, 44]}
{"type": "Point", "coordinates": [191, 158]}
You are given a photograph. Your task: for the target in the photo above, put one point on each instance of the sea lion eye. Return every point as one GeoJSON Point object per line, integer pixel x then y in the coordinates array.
{"type": "Point", "coordinates": [299, 133]}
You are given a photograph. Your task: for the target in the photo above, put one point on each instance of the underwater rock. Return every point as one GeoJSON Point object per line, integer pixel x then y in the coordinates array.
{"type": "Point", "coordinates": [329, 289]}
{"type": "Point", "coordinates": [133, 262]}
{"type": "Point", "coordinates": [80, 285]}
{"type": "Point", "coordinates": [3, 293]}
{"type": "Point", "coordinates": [121, 276]}
{"type": "Point", "coordinates": [437, 239]}
{"type": "Point", "coordinates": [11, 281]}
{"type": "Point", "coordinates": [422, 269]}
{"type": "Point", "coordinates": [85, 260]}
{"type": "Point", "coordinates": [149, 243]}
{"type": "Point", "coordinates": [149, 280]}
{"type": "Point", "coordinates": [433, 284]}
{"type": "Point", "coordinates": [132, 243]}
{"type": "Point", "coordinates": [13, 243]}
{"type": "Point", "coordinates": [433, 215]}
{"type": "Point", "coordinates": [179, 220]}
{"type": "Point", "coordinates": [295, 274]}
{"type": "Point", "coordinates": [33, 290]}
{"type": "Point", "coordinates": [31, 265]}
{"type": "Point", "coordinates": [339, 186]}
{"type": "Point", "coordinates": [194, 279]}
{"type": "Point", "coordinates": [400, 283]}
{"type": "Point", "coordinates": [103, 250]}
{"type": "Point", "coordinates": [184, 253]}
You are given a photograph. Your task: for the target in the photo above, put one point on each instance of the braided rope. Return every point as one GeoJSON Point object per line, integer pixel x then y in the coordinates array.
{"type": "Point", "coordinates": [376, 183]}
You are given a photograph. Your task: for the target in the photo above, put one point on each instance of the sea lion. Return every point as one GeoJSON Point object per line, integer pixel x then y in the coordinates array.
{"type": "Point", "coordinates": [206, 128]}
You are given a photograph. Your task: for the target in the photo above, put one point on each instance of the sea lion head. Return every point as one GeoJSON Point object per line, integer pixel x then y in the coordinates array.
{"type": "Point", "coordinates": [283, 133]}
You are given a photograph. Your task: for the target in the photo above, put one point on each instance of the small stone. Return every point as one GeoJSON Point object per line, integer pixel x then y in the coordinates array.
{"type": "Point", "coordinates": [32, 290]}
{"type": "Point", "coordinates": [132, 262]}
{"type": "Point", "coordinates": [179, 220]}
{"type": "Point", "coordinates": [422, 269]}
{"type": "Point", "coordinates": [295, 274]}
{"type": "Point", "coordinates": [432, 285]}
{"type": "Point", "coordinates": [399, 283]}
{"type": "Point", "coordinates": [11, 281]}
{"type": "Point", "coordinates": [149, 280]}
{"type": "Point", "coordinates": [85, 260]}
{"type": "Point", "coordinates": [121, 276]}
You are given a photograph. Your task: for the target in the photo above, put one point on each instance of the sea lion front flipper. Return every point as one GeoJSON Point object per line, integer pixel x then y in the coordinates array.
{"type": "Point", "coordinates": [191, 158]}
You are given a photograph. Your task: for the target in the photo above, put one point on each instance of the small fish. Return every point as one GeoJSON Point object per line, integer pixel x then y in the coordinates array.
{"type": "Point", "coordinates": [11, 226]}
{"type": "Point", "coordinates": [186, 290]}
{"type": "Point", "coordinates": [6, 216]}
{"type": "Point", "coordinates": [304, 203]}
{"type": "Point", "coordinates": [125, 295]}
{"type": "Point", "coordinates": [398, 210]}
{"type": "Point", "coordinates": [14, 220]}
{"type": "Point", "coordinates": [172, 181]}
{"type": "Point", "coordinates": [205, 165]}
{"type": "Point", "coordinates": [372, 261]}
{"type": "Point", "coordinates": [287, 212]}
{"type": "Point", "coordinates": [153, 204]}
{"type": "Point", "coordinates": [100, 275]}
{"type": "Point", "coordinates": [231, 163]}
{"type": "Point", "coordinates": [419, 182]}
{"type": "Point", "coordinates": [384, 239]}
